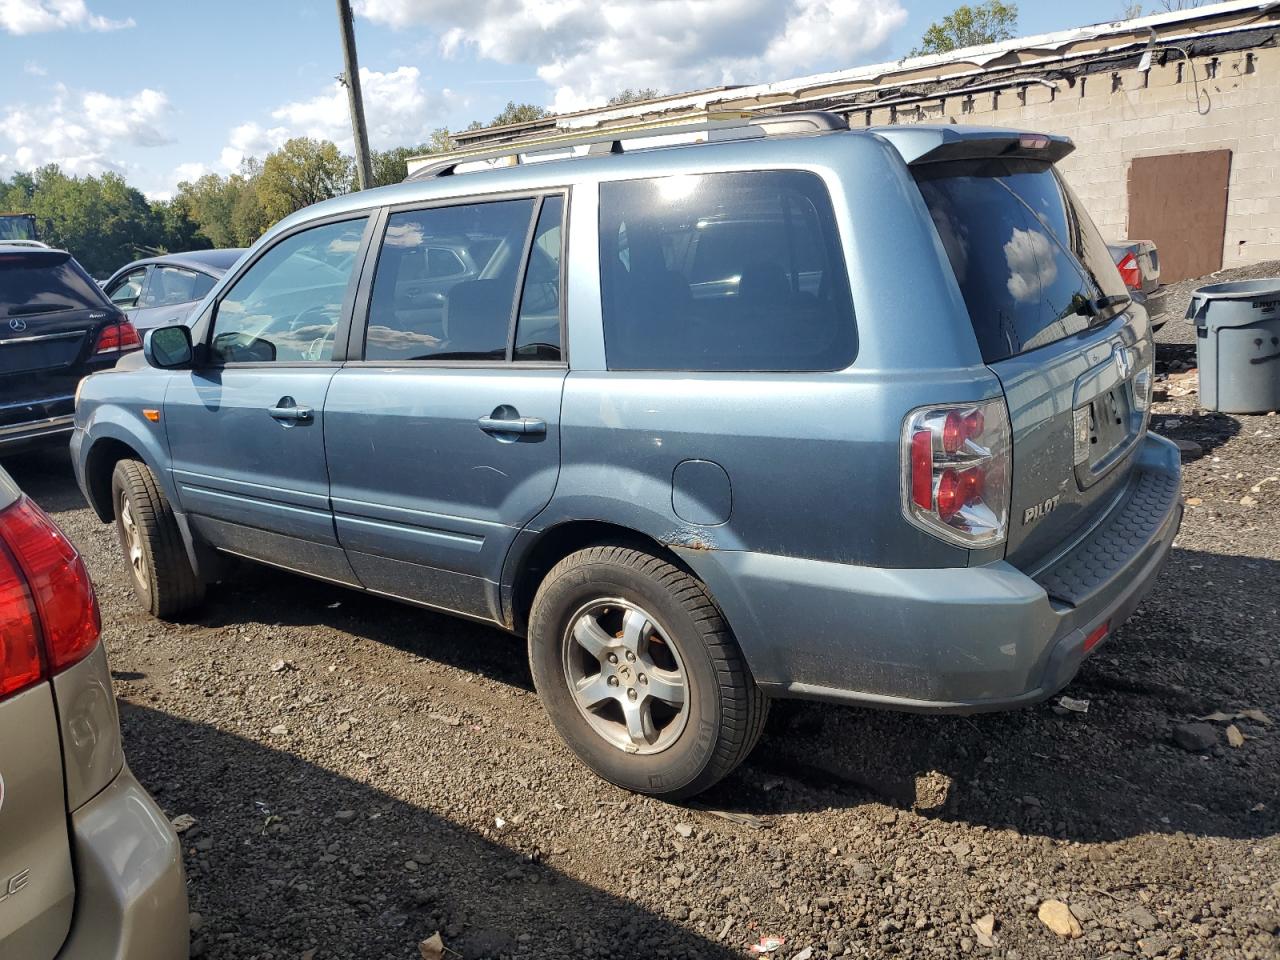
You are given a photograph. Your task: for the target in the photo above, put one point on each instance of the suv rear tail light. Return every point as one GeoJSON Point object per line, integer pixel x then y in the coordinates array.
{"type": "Point", "coordinates": [119, 336]}
{"type": "Point", "coordinates": [1130, 273]}
{"type": "Point", "coordinates": [955, 471]}
{"type": "Point", "coordinates": [49, 616]}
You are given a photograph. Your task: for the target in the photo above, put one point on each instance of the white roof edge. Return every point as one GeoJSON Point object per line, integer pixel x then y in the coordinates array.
{"type": "Point", "coordinates": [979, 55]}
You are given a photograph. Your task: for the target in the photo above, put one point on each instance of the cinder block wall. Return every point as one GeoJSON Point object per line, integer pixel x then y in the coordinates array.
{"type": "Point", "coordinates": [1115, 117]}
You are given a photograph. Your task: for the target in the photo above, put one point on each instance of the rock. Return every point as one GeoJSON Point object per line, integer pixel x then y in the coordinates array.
{"type": "Point", "coordinates": [183, 822]}
{"type": "Point", "coordinates": [1057, 916]}
{"type": "Point", "coordinates": [804, 954]}
{"type": "Point", "coordinates": [984, 929]}
{"type": "Point", "coordinates": [685, 830]}
{"type": "Point", "coordinates": [432, 948]}
{"type": "Point", "coordinates": [1234, 736]}
{"type": "Point", "coordinates": [279, 730]}
{"type": "Point", "coordinates": [1155, 945]}
{"type": "Point", "coordinates": [280, 666]}
{"type": "Point", "coordinates": [1196, 737]}
{"type": "Point", "coordinates": [345, 815]}
{"type": "Point", "coordinates": [1189, 447]}
{"type": "Point", "coordinates": [1247, 501]}
{"type": "Point", "coordinates": [195, 921]}
{"type": "Point", "coordinates": [1140, 917]}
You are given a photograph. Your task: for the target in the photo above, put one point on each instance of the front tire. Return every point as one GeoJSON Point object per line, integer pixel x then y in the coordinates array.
{"type": "Point", "coordinates": [640, 674]}
{"type": "Point", "coordinates": [160, 570]}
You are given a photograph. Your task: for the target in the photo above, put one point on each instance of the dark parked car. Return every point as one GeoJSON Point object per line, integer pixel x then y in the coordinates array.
{"type": "Point", "coordinates": [1139, 264]}
{"type": "Point", "coordinates": [56, 327]}
{"type": "Point", "coordinates": [89, 866]}
{"type": "Point", "coordinates": [803, 411]}
{"type": "Point", "coordinates": [162, 290]}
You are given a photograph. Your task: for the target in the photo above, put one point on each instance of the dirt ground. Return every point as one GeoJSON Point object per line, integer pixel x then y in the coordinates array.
{"type": "Point", "coordinates": [364, 774]}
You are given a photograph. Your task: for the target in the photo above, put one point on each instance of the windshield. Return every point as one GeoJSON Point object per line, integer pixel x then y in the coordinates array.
{"type": "Point", "coordinates": [1029, 262]}
{"type": "Point", "coordinates": [33, 285]}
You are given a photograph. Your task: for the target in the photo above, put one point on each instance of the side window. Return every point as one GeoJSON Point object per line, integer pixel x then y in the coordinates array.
{"type": "Point", "coordinates": [724, 271]}
{"type": "Point", "coordinates": [201, 285]}
{"type": "Point", "coordinates": [170, 285]}
{"type": "Point", "coordinates": [125, 291]}
{"type": "Point", "coordinates": [538, 326]}
{"type": "Point", "coordinates": [287, 305]}
{"type": "Point", "coordinates": [445, 284]}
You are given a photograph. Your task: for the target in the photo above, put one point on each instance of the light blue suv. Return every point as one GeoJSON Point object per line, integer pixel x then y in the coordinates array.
{"type": "Point", "coordinates": [793, 411]}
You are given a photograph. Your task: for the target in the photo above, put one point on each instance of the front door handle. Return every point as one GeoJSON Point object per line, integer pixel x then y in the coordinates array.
{"type": "Point", "coordinates": [287, 410]}
{"type": "Point", "coordinates": [520, 425]}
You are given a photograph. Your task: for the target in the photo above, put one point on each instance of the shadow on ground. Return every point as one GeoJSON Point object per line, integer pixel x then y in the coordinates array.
{"type": "Point", "coordinates": [1112, 773]}
{"type": "Point", "coordinates": [274, 873]}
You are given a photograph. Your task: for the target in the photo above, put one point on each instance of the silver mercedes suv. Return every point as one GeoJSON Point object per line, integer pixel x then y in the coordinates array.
{"type": "Point", "coordinates": [90, 868]}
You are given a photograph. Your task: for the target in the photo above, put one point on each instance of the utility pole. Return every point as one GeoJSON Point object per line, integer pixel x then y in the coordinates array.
{"type": "Point", "coordinates": [364, 171]}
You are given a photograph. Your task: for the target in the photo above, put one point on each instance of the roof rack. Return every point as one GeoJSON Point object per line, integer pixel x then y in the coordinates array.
{"type": "Point", "coordinates": [742, 127]}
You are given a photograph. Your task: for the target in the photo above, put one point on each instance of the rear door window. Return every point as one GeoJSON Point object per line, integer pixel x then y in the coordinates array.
{"type": "Point", "coordinates": [724, 271]}
{"type": "Point", "coordinates": [1029, 262]}
{"type": "Point", "coordinates": [37, 283]}
{"type": "Point", "coordinates": [445, 284]}
{"type": "Point", "coordinates": [170, 285]}
{"type": "Point", "coordinates": [126, 290]}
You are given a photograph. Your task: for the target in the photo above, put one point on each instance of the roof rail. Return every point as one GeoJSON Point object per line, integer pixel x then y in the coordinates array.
{"type": "Point", "coordinates": [743, 127]}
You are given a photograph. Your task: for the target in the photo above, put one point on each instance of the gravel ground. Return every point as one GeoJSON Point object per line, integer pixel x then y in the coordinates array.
{"type": "Point", "coordinates": [363, 775]}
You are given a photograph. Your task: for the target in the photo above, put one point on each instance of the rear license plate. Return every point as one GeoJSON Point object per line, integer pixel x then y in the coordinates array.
{"type": "Point", "coordinates": [1110, 423]}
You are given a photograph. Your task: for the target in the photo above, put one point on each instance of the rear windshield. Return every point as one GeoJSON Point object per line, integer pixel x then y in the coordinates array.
{"type": "Point", "coordinates": [17, 227]}
{"type": "Point", "coordinates": [1028, 260]}
{"type": "Point", "coordinates": [45, 284]}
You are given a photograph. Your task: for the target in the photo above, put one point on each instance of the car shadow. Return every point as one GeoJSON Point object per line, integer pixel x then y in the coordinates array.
{"type": "Point", "coordinates": [288, 857]}
{"type": "Point", "coordinates": [1109, 773]}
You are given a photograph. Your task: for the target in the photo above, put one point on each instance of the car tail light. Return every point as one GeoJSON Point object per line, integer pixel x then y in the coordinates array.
{"type": "Point", "coordinates": [1142, 387]}
{"type": "Point", "coordinates": [49, 617]}
{"type": "Point", "coordinates": [955, 472]}
{"type": "Point", "coordinates": [1096, 637]}
{"type": "Point", "coordinates": [119, 336]}
{"type": "Point", "coordinates": [1130, 272]}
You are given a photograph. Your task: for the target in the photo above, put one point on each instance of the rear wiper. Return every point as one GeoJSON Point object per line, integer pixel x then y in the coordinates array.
{"type": "Point", "coordinates": [1097, 308]}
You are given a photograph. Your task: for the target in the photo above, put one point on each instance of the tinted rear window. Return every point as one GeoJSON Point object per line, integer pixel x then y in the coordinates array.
{"type": "Point", "coordinates": [1028, 260]}
{"type": "Point", "coordinates": [724, 271]}
{"type": "Point", "coordinates": [31, 285]}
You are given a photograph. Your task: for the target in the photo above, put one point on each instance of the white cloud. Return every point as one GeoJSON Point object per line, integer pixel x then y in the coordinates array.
{"type": "Point", "coordinates": [81, 132]}
{"type": "Point", "coordinates": [40, 16]}
{"type": "Point", "coordinates": [33, 69]}
{"type": "Point", "coordinates": [588, 50]}
{"type": "Point", "coordinates": [250, 140]}
{"type": "Point", "coordinates": [399, 111]}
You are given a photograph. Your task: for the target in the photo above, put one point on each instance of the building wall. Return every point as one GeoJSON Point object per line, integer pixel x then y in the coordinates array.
{"type": "Point", "coordinates": [1115, 117]}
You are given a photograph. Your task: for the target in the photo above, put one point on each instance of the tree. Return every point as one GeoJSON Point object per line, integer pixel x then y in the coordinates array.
{"type": "Point", "coordinates": [391, 166]}
{"type": "Point", "coordinates": [968, 26]}
{"type": "Point", "coordinates": [518, 113]}
{"type": "Point", "coordinates": [631, 96]}
{"type": "Point", "coordinates": [302, 172]}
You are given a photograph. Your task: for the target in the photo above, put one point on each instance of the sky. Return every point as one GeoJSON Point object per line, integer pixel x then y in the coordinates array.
{"type": "Point", "coordinates": [162, 91]}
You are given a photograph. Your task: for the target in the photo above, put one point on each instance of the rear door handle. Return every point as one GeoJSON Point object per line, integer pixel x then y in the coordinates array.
{"type": "Point", "coordinates": [287, 410]}
{"type": "Point", "coordinates": [521, 425]}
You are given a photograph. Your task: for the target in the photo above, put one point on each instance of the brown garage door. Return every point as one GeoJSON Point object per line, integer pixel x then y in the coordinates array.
{"type": "Point", "coordinates": [1179, 201]}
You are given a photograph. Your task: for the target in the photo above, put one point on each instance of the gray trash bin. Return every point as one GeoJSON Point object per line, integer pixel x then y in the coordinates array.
{"type": "Point", "coordinates": [1238, 345]}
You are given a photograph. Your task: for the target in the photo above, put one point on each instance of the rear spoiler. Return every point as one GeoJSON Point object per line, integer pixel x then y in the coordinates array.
{"type": "Point", "coordinates": [935, 144]}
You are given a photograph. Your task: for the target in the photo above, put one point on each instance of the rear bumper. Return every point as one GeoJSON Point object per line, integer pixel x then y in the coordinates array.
{"type": "Point", "coordinates": [1156, 306]}
{"type": "Point", "coordinates": [955, 640]}
{"type": "Point", "coordinates": [34, 431]}
{"type": "Point", "coordinates": [131, 896]}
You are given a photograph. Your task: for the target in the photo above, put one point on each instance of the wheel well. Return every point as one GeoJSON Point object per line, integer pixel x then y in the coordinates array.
{"type": "Point", "coordinates": [101, 462]}
{"type": "Point", "coordinates": [558, 542]}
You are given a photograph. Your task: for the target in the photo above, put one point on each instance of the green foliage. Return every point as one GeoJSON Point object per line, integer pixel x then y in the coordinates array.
{"type": "Point", "coordinates": [517, 113]}
{"type": "Point", "coordinates": [102, 220]}
{"type": "Point", "coordinates": [391, 166]}
{"type": "Point", "coordinates": [631, 96]}
{"type": "Point", "coordinates": [300, 173]}
{"type": "Point", "coordinates": [968, 26]}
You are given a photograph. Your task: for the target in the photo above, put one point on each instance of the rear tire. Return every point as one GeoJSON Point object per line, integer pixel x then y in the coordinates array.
{"type": "Point", "coordinates": [640, 674]}
{"type": "Point", "coordinates": [160, 570]}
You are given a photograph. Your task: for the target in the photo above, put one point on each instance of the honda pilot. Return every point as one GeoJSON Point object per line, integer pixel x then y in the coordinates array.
{"type": "Point", "coordinates": [744, 410]}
